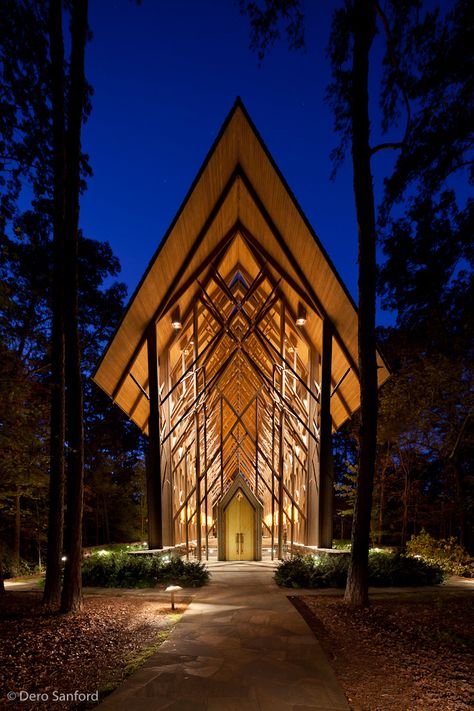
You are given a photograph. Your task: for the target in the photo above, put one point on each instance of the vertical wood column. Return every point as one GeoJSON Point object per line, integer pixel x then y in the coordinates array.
{"type": "Point", "coordinates": [153, 462]}
{"type": "Point", "coordinates": [222, 442]}
{"type": "Point", "coordinates": [167, 458]}
{"type": "Point", "coordinates": [197, 442]}
{"type": "Point", "coordinates": [273, 472]}
{"type": "Point", "coordinates": [206, 493]}
{"type": "Point", "coordinates": [256, 446]}
{"type": "Point", "coordinates": [312, 473]}
{"type": "Point", "coordinates": [325, 448]}
{"type": "Point", "coordinates": [281, 455]}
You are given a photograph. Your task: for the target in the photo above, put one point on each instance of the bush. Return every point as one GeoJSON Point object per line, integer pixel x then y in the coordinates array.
{"type": "Point", "coordinates": [385, 570]}
{"type": "Point", "coordinates": [309, 571]}
{"type": "Point", "coordinates": [447, 553]}
{"type": "Point", "coordinates": [121, 570]}
{"type": "Point", "coordinates": [397, 570]}
{"type": "Point", "coordinates": [7, 562]}
{"type": "Point", "coordinates": [9, 566]}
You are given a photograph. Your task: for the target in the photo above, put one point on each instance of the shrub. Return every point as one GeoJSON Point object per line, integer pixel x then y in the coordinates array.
{"type": "Point", "coordinates": [327, 570]}
{"type": "Point", "coordinates": [309, 571]}
{"type": "Point", "coordinates": [447, 553]}
{"type": "Point", "coordinates": [121, 570]}
{"type": "Point", "coordinates": [397, 570]}
{"type": "Point", "coordinates": [295, 572]}
{"type": "Point", "coordinates": [7, 562]}
{"type": "Point", "coordinates": [9, 566]}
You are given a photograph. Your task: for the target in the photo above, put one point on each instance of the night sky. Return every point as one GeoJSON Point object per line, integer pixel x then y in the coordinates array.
{"type": "Point", "coordinates": [165, 74]}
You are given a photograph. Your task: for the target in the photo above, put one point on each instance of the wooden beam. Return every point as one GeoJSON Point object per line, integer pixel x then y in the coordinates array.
{"type": "Point", "coordinates": [167, 459]}
{"type": "Point", "coordinates": [197, 440]}
{"type": "Point", "coordinates": [153, 464]}
{"type": "Point", "coordinates": [308, 293]}
{"type": "Point", "coordinates": [312, 461]}
{"type": "Point", "coordinates": [160, 310]}
{"type": "Point", "coordinates": [281, 451]}
{"type": "Point", "coordinates": [325, 444]}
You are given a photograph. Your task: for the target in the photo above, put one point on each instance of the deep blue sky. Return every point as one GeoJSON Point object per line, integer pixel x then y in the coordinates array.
{"type": "Point", "coordinates": [165, 74]}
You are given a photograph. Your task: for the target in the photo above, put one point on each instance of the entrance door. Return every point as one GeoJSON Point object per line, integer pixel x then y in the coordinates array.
{"type": "Point", "coordinates": [240, 525]}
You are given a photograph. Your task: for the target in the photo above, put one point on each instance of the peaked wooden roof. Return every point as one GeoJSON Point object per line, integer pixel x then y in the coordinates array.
{"type": "Point", "coordinates": [238, 212]}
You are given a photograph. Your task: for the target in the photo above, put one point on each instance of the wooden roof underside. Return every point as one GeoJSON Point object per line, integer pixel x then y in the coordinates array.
{"type": "Point", "coordinates": [239, 214]}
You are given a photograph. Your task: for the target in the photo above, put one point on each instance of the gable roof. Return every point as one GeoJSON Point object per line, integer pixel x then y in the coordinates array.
{"type": "Point", "coordinates": [239, 210]}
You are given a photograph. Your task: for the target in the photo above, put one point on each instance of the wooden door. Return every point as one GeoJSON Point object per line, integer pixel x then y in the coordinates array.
{"type": "Point", "coordinates": [240, 528]}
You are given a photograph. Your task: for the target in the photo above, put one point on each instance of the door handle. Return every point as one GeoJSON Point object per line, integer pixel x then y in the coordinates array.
{"type": "Point", "coordinates": [239, 541]}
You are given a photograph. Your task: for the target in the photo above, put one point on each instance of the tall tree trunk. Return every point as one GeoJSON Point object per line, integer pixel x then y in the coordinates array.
{"type": "Point", "coordinates": [71, 599]}
{"type": "Point", "coordinates": [106, 520]}
{"type": "Point", "coordinates": [458, 478]}
{"type": "Point", "coordinates": [381, 510]}
{"type": "Point", "coordinates": [364, 29]}
{"type": "Point", "coordinates": [460, 500]}
{"type": "Point", "coordinates": [52, 589]}
{"type": "Point", "coordinates": [406, 502]}
{"type": "Point", "coordinates": [97, 504]}
{"type": "Point", "coordinates": [383, 477]}
{"type": "Point", "coordinates": [17, 537]}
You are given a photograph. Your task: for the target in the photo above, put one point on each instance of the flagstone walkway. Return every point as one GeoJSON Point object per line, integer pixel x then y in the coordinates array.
{"type": "Point", "coordinates": [240, 646]}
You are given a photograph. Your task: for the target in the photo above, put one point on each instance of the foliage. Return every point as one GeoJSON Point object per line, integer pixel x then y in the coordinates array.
{"type": "Point", "coordinates": [424, 86]}
{"type": "Point", "coordinates": [116, 548]}
{"type": "Point", "coordinates": [121, 570]}
{"type": "Point", "coordinates": [397, 570]}
{"type": "Point", "coordinates": [385, 570]}
{"type": "Point", "coordinates": [113, 448]}
{"type": "Point", "coordinates": [7, 562]}
{"type": "Point", "coordinates": [427, 275]}
{"type": "Point", "coordinates": [308, 571]}
{"type": "Point", "coordinates": [10, 567]}
{"type": "Point", "coordinates": [445, 552]}
{"type": "Point", "coordinates": [265, 23]}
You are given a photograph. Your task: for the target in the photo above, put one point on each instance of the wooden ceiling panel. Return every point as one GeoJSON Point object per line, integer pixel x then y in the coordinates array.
{"type": "Point", "coordinates": [238, 214]}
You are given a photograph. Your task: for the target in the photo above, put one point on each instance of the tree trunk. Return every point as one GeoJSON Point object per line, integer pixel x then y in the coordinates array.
{"type": "Point", "coordinates": [106, 520]}
{"type": "Point", "coordinates": [17, 537]}
{"type": "Point", "coordinates": [71, 599]}
{"type": "Point", "coordinates": [460, 500]}
{"type": "Point", "coordinates": [52, 589]}
{"type": "Point", "coordinates": [381, 508]}
{"type": "Point", "coordinates": [406, 501]}
{"type": "Point", "coordinates": [97, 519]}
{"type": "Point", "coordinates": [383, 480]}
{"type": "Point", "coordinates": [364, 29]}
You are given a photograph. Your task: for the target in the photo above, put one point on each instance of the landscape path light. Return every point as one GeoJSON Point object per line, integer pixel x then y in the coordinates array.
{"type": "Point", "coordinates": [173, 589]}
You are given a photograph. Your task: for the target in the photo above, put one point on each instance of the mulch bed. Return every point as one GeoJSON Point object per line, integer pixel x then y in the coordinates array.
{"type": "Point", "coordinates": [406, 652]}
{"type": "Point", "coordinates": [88, 651]}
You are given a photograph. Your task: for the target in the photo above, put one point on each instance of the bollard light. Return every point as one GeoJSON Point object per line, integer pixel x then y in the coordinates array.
{"type": "Point", "coordinates": [173, 589]}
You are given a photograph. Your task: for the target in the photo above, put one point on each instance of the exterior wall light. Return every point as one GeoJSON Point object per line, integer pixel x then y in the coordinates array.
{"type": "Point", "coordinates": [176, 319]}
{"type": "Point", "coordinates": [301, 315]}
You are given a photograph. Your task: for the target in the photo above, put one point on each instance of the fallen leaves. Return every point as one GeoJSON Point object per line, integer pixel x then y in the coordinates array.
{"type": "Point", "coordinates": [86, 651]}
{"type": "Point", "coordinates": [403, 653]}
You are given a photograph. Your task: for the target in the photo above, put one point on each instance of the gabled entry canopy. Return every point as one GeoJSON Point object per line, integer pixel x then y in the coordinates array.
{"type": "Point", "coordinates": [240, 220]}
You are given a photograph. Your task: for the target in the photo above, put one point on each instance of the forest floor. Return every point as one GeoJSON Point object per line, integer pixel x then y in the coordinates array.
{"type": "Point", "coordinates": [408, 651]}
{"type": "Point", "coordinates": [90, 651]}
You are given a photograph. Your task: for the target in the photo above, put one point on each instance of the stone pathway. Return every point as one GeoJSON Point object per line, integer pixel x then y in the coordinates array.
{"type": "Point", "coordinates": [240, 646]}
